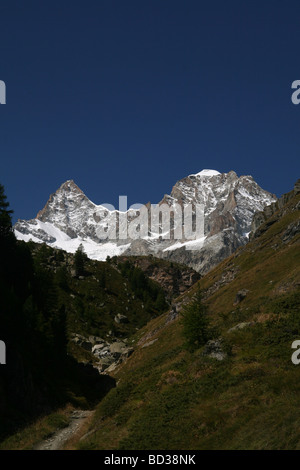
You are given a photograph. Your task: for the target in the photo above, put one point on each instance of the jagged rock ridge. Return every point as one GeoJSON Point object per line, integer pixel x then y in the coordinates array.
{"type": "Point", "coordinates": [230, 202]}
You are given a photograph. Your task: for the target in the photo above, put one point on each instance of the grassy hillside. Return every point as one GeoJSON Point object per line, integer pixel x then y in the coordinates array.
{"type": "Point", "coordinates": [105, 289]}
{"type": "Point", "coordinates": [170, 398]}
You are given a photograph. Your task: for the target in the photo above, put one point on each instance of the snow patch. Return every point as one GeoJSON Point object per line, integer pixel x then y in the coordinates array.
{"type": "Point", "coordinates": [62, 241]}
{"type": "Point", "coordinates": [207, 173]}
{"type": "Point", "coordinates": [190, 245]}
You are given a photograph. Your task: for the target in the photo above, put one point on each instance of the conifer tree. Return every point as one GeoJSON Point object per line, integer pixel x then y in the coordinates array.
{"type": "Point", "coordinates": [195, 323]}
{"type": "Point", "coordinates": [5, 216]}
{"type": "Point", "coordinates": [80, 260]}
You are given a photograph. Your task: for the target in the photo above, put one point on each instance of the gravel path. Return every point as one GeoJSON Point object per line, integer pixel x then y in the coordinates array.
{"type": "Point", "coordinates": [58, 439]}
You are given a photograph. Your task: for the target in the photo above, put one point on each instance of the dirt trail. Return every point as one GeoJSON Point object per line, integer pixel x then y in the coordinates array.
{"type": "Point", "coordinates": [59, 438]}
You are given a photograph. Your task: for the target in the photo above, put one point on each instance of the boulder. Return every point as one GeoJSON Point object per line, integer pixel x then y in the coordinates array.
{"type": "Point", "coordinates": [96, 340]}
{"type": "Point", "coordinates": [97, 348]}
{"type": "Point", "coordinates": [240, 326]}
{"type": "Point", "coordinates": [104, 363]}
{"type": "Point", "coordinates": [214, 349]}
{"type": "Point", "coordinates": [240, 296]}
{"type": "Point", "coordinates": [82, 342]}
{"type": "Point", "coordinates": [117, 347]}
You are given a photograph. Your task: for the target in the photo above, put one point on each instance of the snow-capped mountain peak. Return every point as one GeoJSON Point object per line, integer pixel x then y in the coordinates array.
{"type": "Point", "coordinates": [230, 202]}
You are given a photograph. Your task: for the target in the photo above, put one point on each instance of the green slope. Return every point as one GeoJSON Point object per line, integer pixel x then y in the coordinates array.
{"type": "Point", "coordinates": [169, 398]}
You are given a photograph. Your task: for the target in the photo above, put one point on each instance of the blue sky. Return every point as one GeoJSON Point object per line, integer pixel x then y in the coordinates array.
{"type": "Point", "coordinates": [127, 97]}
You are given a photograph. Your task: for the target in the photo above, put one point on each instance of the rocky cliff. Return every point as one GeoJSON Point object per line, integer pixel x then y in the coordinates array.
{"type": "Point", "coordinates": [272, 213]}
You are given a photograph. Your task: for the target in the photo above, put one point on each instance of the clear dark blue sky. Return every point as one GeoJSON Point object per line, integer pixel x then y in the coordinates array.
{"type": "Point", "coordinates": [127, 97]}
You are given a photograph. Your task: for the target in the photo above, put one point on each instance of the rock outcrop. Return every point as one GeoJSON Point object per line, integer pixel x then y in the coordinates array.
{"type": "Point", "coordinates": [262, 220]}
{"type": "Point", "coordinates": [108, 355]}
{"type": "Point", "coordinates": [214, 349]}
{"type": "Point", "coordinates": [173, 278]}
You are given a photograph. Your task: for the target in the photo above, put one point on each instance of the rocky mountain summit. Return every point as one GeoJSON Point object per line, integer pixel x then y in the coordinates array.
{"type": "Point", "coordinates": [229, 202]}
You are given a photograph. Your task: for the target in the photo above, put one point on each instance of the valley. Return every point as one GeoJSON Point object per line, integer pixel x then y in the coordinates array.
{"type": "Point", "coordinates": [124, 323]}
